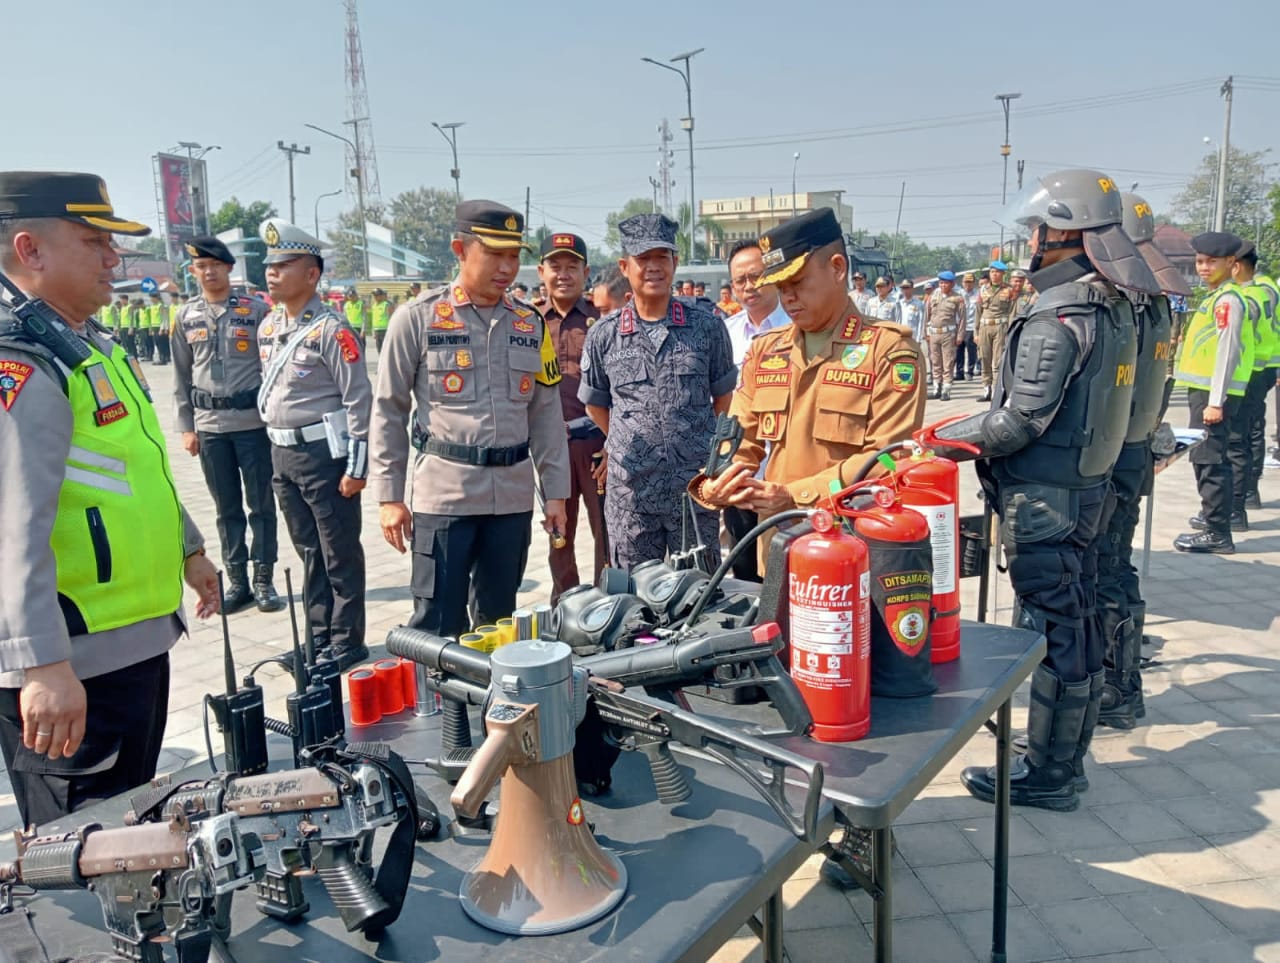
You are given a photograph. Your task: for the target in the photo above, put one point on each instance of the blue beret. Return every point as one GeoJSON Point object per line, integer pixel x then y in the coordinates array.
{"type": "Point", "coordinates": [946, 275]}
{"type": "Point", "coordinates": [998, 266]}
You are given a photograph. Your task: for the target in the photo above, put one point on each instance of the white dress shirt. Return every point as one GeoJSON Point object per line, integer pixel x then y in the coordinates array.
{"type": "Point", "coordinates": [742, 329]}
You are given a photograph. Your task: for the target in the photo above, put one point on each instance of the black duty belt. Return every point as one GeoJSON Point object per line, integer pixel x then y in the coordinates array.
{"type": "Point", "coordinates": [470, 454]}
{"type": "Point", "coordinates": [240, 401]}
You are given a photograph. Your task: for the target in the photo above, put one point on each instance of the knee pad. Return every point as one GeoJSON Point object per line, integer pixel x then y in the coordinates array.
{"type": "Point", "coordinates": [1037, 571]}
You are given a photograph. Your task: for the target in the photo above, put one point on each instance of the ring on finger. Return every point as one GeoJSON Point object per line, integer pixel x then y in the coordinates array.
{"type": "Point", "coordinates": [41, 733]}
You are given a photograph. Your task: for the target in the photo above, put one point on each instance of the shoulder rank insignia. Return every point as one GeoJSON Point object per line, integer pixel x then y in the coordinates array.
{"type": "Point", "coordinates": [677, 313]}
{"type": "Point", "coordinates": [459, 295]}
{"type": "Point", "coordinates": [444, 319]}
{"type": "Point", "coordinates": [850, 327]}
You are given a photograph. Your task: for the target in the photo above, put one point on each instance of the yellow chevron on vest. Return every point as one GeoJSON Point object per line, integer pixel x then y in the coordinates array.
{"type": "Point", "coordinates": [1273, 290]}
{"type": "Point", "coordinates": [1198, 353]}
{"type": "Point", "coordinates": [118, 534]}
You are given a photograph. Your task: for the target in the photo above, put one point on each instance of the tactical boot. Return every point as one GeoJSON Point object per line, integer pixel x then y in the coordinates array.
{"type": "Point", "coordinates": [264, 593]}
{"type": "Point", "coordinates": [1205, 543]}
{"type": "Point", "coordinates": [1097, 683]}
{"type": "Point", "coordinates": [1239, 522]}
{"type": "Point", "coordinates": [1116, 710]}
{"type": "Point", "coordinates": [1045, 776]}
{"type": "Point", "coordinates": [946, 392]}
{"type": "Point", "coordinates": [237, 596]}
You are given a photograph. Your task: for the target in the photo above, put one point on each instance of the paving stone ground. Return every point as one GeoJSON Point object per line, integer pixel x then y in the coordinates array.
{"type": "Point", "coordinates": [1174, 854]}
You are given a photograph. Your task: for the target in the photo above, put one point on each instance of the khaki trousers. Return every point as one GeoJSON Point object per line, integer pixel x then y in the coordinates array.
{"type": "Point", "coordinates": [990, 350]}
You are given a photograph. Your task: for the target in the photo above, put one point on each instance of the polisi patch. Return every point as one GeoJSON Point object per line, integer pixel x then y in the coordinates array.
{"type": "Point", "coordinates": [13, 375]}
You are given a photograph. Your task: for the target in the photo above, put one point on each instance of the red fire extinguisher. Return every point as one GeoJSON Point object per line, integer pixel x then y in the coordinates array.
{"type": "Point", "coordinates": [930, 484]}
{"type": "Point", "coordinates": [829, 596]}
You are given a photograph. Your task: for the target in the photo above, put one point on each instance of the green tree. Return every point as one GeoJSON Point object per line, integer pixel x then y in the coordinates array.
{"type": "Point", "coordinates": [423, 220]}
{"type": "Point", "coordinates": [233, 214]}
{"type": "Point", "coordinates": [1249, 208]}
{"type": "Point", "coordinates": [154, 246]}
{"type": "Point", "coordinates": [535, 238]}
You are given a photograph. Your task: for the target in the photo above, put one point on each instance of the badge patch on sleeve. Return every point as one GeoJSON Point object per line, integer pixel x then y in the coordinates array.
{"type": "Point", "coordinates": [452, 383]}
{"type": "Point", "coordinates": [904, 376]}
{"type": "Point", "coordinates": [13, 375]}
{"type": "Point", "coordinates": [350, 346]}
{"type": "Point", "coordinates": [770, 426]}
{"type": "Point", "coordinates": [1222, 314]}
{"type": "Point", "coordinates": [526, 384]}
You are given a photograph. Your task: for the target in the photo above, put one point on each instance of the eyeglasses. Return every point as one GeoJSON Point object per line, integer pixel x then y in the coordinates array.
{"type": "Point", "coordinates": [743, 280]}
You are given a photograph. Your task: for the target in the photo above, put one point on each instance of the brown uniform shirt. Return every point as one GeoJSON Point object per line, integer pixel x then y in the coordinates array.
{"type": "Point", "coordinates": [569, 333]}
{"type": "Point", "coordinates": [995, 304]}
{"type": "Point", "coordinates": [946, 311]}
{"type": "Point", "coordinates": [487, 383]}
{"type": "Point", "coordinates": [824, 416]}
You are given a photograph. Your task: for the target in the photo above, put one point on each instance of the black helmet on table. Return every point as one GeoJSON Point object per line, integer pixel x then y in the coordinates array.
{"type": "Point", "coordinates": [1080, 199]}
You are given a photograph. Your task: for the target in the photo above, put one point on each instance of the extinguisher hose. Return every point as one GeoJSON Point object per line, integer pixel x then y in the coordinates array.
{"type": "Point", "coordinates": [747, 541]}
{"type": "Point", "coordinates": [870, 463]}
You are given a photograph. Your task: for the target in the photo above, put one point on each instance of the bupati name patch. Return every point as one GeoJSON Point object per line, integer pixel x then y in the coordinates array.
{"type": "Point", "coordinates": [848, 379]}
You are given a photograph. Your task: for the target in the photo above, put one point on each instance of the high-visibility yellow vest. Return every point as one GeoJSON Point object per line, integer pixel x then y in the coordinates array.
{"type": "Point", "coordinates": [1273, 296]}
{"type": "Point", "coordinates": [109, 317]}
{"type": "Point", "coordinates": [380, 312]}
{"type": "Point", "coordinates": [118, 535]}
{"type": "Point", "coordinates": [1198, 353]}
{"type": "Point", "coordinates": [354, 310]}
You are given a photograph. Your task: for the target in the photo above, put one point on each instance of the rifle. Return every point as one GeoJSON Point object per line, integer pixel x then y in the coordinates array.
{"type": "Point", "coordinates": [321, 818]}
{"type": "Point", "coordinates": [142, 873]}
{"type": "Point", "coordinates": [623, 721]}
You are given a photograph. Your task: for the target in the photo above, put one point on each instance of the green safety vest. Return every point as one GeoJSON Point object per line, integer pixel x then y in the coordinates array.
{"type": "Point", "coordinates": [1198, 353]}
{"type": "Point", "coordinates": [354, 310]}
{"type": "Point", "coordinates": [118, 538]}
{"type": "Point", "coordinates": [110, 317]}
{"type": "Point", "coordinates": [381, 313]}
{"type": "Point", "coordinates": [1261, 311]}
{"type": "Point", "coordinates": [1273, 298]}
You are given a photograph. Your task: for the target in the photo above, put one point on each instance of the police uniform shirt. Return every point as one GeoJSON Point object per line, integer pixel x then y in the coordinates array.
{"type": "Point", "coordinates": [215, 350]}
{"type": "Point", "coordinates": [324, 373]}
{"type": "Point", "coordinates": [658, 379]}
{"type": "Point", "coordinates": [880, 308]}
{"type": "Point", "coordinates": [569, 334]}
{"type": "Point", "coordinates": [822, 416]}
{"type": "Point", "coordinates": [996, 304]}
{"type": "Point", "coordinates": [489, 382]}
{"type": "Point", "coordinates": [946, 312]}
{"type": "Point", "coordinates": [36, 426]}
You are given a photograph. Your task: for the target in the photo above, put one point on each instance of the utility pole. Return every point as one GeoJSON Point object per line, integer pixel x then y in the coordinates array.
{"type": "Point", "coordinates": [1220, 212]}
{"type": "Point", "coordinates": [527, 224]}
{"type": "Point", "coordinates": [687, 123]}
{"type": "Point", "coordinates": [358, 173]}
{"type": "Point", "coordinates": [1005, 149]}
{"type": "Point", "coordinates": [653, 182]}
{"type": "Point", "coordinates": [290, 151]}
{"type": "Point", "coordinates": [452, 139]}
{"type": "Point", "coordinates": [795, 160]}
{"type": "Point", "coordinates": [665, 163]}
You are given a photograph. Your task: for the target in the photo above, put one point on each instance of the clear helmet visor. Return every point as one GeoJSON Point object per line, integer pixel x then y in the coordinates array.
{"type": "Point", "coordinates": [1026, 210]}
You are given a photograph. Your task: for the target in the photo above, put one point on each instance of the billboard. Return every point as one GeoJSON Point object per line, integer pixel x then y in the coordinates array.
{"type": "Point", "coordinates": [184, 188]}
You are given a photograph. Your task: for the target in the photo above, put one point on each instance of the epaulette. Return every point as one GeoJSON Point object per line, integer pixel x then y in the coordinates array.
{"type": "Point", "coordinates": [893, 326]}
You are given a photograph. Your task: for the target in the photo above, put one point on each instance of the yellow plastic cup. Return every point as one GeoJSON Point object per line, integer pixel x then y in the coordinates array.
{"type": "Point", "coordinates": [492, 636]}
{"type": "Point", "coordinates": [507, 631]}
{"type": "Point", "coordinates": [473, 640]}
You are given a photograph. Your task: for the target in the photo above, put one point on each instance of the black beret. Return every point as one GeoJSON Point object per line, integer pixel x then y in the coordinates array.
{"type": "Point", "coordinates": [209, 247]}
{"type": "Point", "coordinates": [1216, 244]}
{"type": "Point", "coordinates": [786, 248]}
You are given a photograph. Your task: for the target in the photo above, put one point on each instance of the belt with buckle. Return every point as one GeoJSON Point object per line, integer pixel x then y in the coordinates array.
{"type": "Point", "coordinates": [294, 437]}
{"type": "Point", "coordinates": [469, 454]}
{"type": "Point", "coordinates": [240, 401]}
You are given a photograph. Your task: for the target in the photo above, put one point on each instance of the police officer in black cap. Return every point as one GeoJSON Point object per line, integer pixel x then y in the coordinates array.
{"type": "Point", "coordinates": [1046, 450]}
{"type": "Point", "coordinates": [216, 378]}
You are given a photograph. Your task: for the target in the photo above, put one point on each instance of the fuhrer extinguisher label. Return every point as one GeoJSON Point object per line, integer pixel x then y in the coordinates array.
{"type": "Point", "coordinates": [828, 620]}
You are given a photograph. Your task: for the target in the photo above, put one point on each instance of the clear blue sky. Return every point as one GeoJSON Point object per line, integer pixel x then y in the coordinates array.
{"type": "Point", "coordinates": [555, 97]}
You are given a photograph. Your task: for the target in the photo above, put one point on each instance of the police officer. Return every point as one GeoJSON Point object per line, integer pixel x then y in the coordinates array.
{"type": "Point", "coordinates": [379, 316]}
{"type": "Point", "coordinates": [562, 266]}
{"type": "Point", "coordinates": [315, 399]}
{"type": "Point", "coordinates": [995, 308]}
{"type": "Point", "coordinates": [353, 308]}
{"type": "Point", "coordinates": [1261, 302]}
{"type": "Point", "coordinates": [945, 319]}
{"type": "Point", "coordinates": [1215, 363]}
{"type": "Point", "coordinates": [820, 393]}
{"type": "Point", "coordinates": [1121, 610]}
{"type": "Point", "coordinates": [1024, 296]}
{"type": "Point", "coordinates": [654, 375]}
{"type": "Point", "coordinates": [1067, 377]}
{"type": "Point", "coordinates": [96, 541]}
{"type": "Point", "coordinates": [109, 319]}
{"type": "Point", "coordinates": [123, 334]}
{"type": "Point", "coordinates": [482, 370]}
{"type": "Point", "coordinates": [216, 377]}
{"type": "Point", "coordinates": [158, 324]}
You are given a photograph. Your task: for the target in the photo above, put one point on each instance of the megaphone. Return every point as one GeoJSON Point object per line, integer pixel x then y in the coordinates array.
{"type": "Point", "coordinates": [544, 872]}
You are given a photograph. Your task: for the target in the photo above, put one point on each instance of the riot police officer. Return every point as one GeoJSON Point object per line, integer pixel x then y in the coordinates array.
{"type": "Point", "coordinates": [315, 399]}
{"type": "Point", "coordinates": [1121, 610]}
{"type": "Point", "coordinates": [1047, 447]}
{"type": "Point", "coordinates": [216, 378]}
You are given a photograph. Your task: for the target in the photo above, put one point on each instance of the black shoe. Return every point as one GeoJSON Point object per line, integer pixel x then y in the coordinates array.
{"type": "Point", "coordinates": [1239, 522]}
{"type": "Point", "coordinates": [1253, 500]}
{"type": "Point", "coordinates": [264, 592]}
{"type": "Point", "coordinates": [237, 595]}
{"type": "Point", "coordinates": [286, 658]}
{"type": "Point", "coordinates": [986, 394]}
{"type": "Point", "coordinates": [1045, 787]}
{"type": "Point", "coordinates": [959, 376]}
{"type": "Point", "coordinates": [1019, 746]}
{"type": "Point", "coordinates": [1197, 522]}
{"type": "Point", "coordinates": [1205, 543]}
{"type": "Point", "coordinates": [349, 658]}
{"type": "Point", "coordinates": [1117, 711]}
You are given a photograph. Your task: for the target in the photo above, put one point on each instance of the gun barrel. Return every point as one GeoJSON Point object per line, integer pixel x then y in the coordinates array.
{"type": "Point", "coordinates": [441, 654]}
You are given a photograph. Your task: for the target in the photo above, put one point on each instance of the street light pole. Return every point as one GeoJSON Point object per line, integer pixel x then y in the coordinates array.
{"type": "Point", "coordinates": [795, 160]}
{"type": "Point", "coordinates": [687, 123]}
{"type": "Point", "coordinates": [290, 151]}
{"type": "Point", "coordinates": [317, 208]}
{"type": "Point", "coordinates": [452, 139]}
{"type": "Point", "coordinates": [1005, 148]}
{"type": "Point", "coordinates": [1220, 212]}
{"type": "Point", "coordinates": [358, 174]}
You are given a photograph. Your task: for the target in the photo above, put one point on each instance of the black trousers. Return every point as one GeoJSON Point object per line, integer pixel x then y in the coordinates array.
{"type": "Point", "coordinates": [237, 469]}
{"type": "Point", "coordinates": [306, 483]}
{"type": "Point", "coordinates": [124, 730]}
{"type": "Point", "coordinates": [466, 569]}
{"type": "Point", "coordinates": [1118, 585]}
{"type": "Point", "coordinates": [739, 521]}
{"type": "Point", "coordinates": [162, 346]}
{"type": "Point", "coordinates": [966, 356]}
{"type": "Point", "coordinates": [1260, 386]}
{"type": "Point", "coordinates": [1055, 579]}
{"type": "Point", "coordinates": [1219, 459]}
